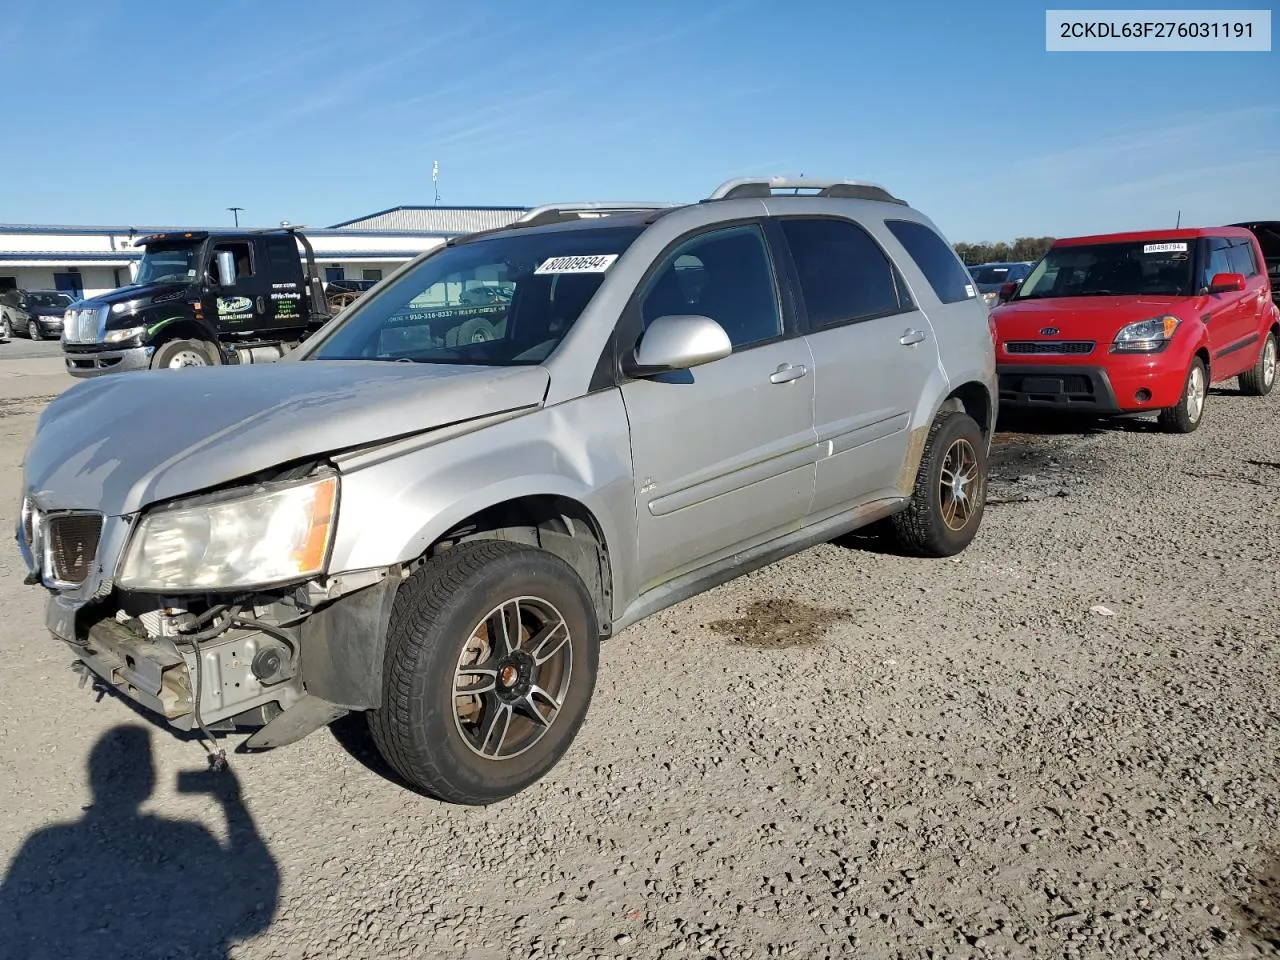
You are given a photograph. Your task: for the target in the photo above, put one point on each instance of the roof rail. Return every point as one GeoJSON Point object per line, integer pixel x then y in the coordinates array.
{"type": "Point", "coordinates": [762, 187]}
{"type": "Point", "coordinates": [560, 212]}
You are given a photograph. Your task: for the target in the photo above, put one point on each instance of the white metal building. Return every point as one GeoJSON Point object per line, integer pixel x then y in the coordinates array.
{"type": "Point", "coordinates": [85, 261]}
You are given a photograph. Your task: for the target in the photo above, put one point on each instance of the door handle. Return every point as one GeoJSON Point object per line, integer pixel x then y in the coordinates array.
{"type": "Point", "coordinates": [786, 373]}
{"type": "Point", "coordinates": [910, 337]}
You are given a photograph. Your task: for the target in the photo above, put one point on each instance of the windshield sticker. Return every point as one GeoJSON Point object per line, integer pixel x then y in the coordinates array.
{"type": "Point", "coordinates": [968, 289]}
{"type": "Point", "coordinates": [594, 264]}
{"type": "Point", "coordinates": [1164, 248]}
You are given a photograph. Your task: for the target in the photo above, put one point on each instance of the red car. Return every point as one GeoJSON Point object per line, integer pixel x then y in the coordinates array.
{"type": "Point", "coordinates": [1139, 323]}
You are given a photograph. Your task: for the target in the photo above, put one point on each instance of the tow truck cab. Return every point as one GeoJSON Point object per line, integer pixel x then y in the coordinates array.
{"type": "Point", "coordinates": [200, 299]}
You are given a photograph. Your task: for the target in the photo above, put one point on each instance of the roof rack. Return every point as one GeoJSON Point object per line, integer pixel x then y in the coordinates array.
{"type": "Point", "coordinates": [763, 187]}
{"type": "Point", "coordinates": [560, 212]}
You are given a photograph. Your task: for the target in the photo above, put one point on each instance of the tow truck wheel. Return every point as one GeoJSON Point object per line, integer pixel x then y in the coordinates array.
{"type": "Point", "coordinates": [182, 353]}
{"type": "Point", "coordinates": [491, 661]}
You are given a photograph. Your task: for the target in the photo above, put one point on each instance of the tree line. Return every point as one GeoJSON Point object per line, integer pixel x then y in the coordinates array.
{"type": "Point", "coordinates": [1024, 248]}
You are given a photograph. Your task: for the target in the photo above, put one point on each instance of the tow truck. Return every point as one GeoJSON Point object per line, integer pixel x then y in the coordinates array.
{"type": "Point", "coordinates": [201, 299]}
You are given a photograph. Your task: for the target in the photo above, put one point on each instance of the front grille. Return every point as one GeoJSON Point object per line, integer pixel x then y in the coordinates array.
{"type": "Point", "coordinates": [82, 325]}
{"type": "Point", "coordinates": [28, 531]}
{"type": "Point", "coordinates": [1050, 346]}
{"type": "Point", "coordinates": [73, 544]}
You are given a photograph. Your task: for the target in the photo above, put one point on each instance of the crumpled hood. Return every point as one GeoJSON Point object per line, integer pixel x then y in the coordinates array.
{"type": "Point", "coordinates": [119, 443]}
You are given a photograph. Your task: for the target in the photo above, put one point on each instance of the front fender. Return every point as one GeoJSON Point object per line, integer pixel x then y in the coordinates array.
{"type": "Point", "coordinates": [394, 509]}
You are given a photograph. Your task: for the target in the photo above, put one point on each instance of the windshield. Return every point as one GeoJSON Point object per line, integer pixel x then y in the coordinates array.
{"type": "Point", "coordinates": [1149, 267]}
{"type": "Point", "coordinates": [161, 263]}
{"type": "Point", "coordinates": [505, 301]}
{"type": "Point", "coordinates": [991, 274]}
{"type": "Point", "coordinates": [48, 300]}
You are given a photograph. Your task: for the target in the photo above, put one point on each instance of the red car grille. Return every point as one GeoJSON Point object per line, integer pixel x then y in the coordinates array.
{"type": "Point", "coordinates": [1050, 346]}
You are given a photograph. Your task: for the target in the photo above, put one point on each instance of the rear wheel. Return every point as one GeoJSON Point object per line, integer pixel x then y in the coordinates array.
{"type": "Point", "coordinates": [491, 662]}
{"type": "Point", "coordinates": [183, 353]}
{"type": "Point", "coordinates": [1188, 413]}
{"type": "Point", "coordinates": [950, 492]}
{"type": "Point", "coordinates": [1259, 381]}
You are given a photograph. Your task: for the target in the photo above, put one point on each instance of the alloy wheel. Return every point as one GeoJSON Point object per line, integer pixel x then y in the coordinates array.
{"type": "Point", "coordinates": [961, 485]}
{"type": "Point", "coordinates": [1195, 393]}
{"type": "Point", "coordinates": [512, 677]}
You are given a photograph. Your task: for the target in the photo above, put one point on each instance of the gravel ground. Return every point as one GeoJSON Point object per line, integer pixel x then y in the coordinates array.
{"type": "Point", "coordinates": [1061, 744]}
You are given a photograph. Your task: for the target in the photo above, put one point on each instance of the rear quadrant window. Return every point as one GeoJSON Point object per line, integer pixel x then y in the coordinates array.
{"type": "Point", "coordinates": [937, 261]}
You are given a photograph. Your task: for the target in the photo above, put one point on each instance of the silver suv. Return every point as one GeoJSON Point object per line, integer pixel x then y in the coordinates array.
{"type": "Point", "coordinates": [515, 446]}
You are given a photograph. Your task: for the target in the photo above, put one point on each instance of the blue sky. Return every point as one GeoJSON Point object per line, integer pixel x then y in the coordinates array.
{"type": "Point", "coordinates": [127, 111]}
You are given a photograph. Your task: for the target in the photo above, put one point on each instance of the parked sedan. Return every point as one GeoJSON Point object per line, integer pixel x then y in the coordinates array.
{"type": "Point", "coordinates": [991, 278]}
{"type": "Point", "coordinates": [44, 310]}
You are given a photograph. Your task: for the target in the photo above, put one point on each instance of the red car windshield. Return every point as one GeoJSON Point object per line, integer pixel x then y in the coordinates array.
{"type": "Point", "coordinates": [1150, 267]}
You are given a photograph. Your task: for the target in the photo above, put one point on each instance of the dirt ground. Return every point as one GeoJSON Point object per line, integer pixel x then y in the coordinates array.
{"type": "Point", "coordinates": [1062, 743]}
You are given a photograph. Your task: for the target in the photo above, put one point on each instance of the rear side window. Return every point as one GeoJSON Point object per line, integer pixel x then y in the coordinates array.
{"type": "Point", "coordinates": [936, 260]}
{"type": "Point", "coordinates": [1240, 255]}
{"type": "Point", "coordinates": [844, 275]}
{"type": "Point", "coordinates": [282, 252]}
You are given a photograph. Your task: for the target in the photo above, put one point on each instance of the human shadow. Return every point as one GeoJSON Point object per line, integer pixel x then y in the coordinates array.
{"type": "Point", "coordinates": [121, 883]}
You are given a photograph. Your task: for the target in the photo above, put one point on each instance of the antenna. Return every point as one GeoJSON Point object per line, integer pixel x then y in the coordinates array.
{"type": "Point", "coordinates": [236, 212]}
{"type": "Point", "coordinates": [435, 179]}
{"type": "Point", "coordinates": [1179, 223]}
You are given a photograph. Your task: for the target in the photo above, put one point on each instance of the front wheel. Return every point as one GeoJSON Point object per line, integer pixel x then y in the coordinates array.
{"type": "Point", "coordinates": [1259, 381]}
{"type": "Point", "coordinates": [950, 492]}
{"type": "Point", "coordinates": [182, 353]}
{"type": "Point", "coordinates": [1189, 411]}
{"type": "Point", "coordinates": [491, 662]}
{"type": "Point", "coordinates": [33, 330]}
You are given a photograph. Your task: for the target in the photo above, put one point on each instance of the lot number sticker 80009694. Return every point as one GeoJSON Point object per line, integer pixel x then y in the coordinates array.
{"type": "Point", "coordinates": [596, 263]}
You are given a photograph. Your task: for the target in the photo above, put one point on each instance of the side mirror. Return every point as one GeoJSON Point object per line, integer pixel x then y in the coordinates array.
{"type": "Point", "coordinates": [678, 342]}
{"type": "Point", "coordinates": [226, 261]}
{"type": "Point", "coordinates": [1226, 282]}
{"type": "Point", "coordinates": [1007, 290]}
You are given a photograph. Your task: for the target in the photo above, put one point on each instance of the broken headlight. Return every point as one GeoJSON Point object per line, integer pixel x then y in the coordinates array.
{"type": "Point", "coordinates": [275, 534]}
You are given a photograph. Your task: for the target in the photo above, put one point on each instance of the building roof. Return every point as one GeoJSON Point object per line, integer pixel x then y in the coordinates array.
{"type": "Point", "coordinates": [437, 220]}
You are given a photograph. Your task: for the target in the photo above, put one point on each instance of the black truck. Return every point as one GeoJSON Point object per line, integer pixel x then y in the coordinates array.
{"type": "Point", "coordinates": [201, 299]}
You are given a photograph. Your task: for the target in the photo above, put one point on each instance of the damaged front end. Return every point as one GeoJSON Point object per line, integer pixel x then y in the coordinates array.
{"type": "Point", "coordinates": [215, 611]}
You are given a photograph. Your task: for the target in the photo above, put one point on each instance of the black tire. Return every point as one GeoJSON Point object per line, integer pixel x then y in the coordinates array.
{"type": "Point", "coordinates": [934, 525]}
{"type": "Point", "coordinates": [1188, 414]}
{"type": "Point", "coordinates": [438, 615]}
{"type": "Point", "coordinates": [33, 331]}
{"type": "Point", "coordinates": [5, 330]}
{"type": "Point", "coordinates": [170, 355]}
{"type": "Point", "coordinates": [1259, 381]}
